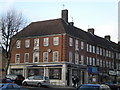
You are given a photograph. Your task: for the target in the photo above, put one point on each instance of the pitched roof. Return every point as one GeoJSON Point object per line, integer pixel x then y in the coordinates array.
{"type": "Point", "coordinates": [59, 26]}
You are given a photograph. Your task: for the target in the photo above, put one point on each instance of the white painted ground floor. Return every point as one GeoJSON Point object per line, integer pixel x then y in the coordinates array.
{"type": "Point", "coordinates": [60, 73]}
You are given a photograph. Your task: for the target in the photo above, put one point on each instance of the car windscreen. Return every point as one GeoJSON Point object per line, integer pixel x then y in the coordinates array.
{"type": "Point", "coordinates": [88, 88]}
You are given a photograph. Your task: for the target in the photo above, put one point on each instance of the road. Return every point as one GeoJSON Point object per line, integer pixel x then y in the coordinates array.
{"type": "Point", "coordinates": [48, 88]}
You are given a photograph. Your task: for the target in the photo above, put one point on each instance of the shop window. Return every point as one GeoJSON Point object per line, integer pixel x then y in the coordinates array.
{"type": "Point", "coordinates": [39, 71]}
{"type": "Point", "coordinates": [55, 73]}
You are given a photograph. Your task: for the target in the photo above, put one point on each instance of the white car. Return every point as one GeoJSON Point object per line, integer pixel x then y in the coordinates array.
{"type": "Point", "coordinates": [37, 81]}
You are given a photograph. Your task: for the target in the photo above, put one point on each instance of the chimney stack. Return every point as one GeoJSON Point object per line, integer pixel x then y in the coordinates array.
{"type": "Point", "coordinates": [107, 37]}
{"type": "Point", "coordinates": [64, 15]}
{"type": "Point", "coordinates": [91, 30]}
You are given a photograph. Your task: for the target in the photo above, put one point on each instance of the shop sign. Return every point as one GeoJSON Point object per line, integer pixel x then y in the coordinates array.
{"type": "Point", "coordinates": [112, 73]}
{"type": "Point", "coordinates": [93, 70]}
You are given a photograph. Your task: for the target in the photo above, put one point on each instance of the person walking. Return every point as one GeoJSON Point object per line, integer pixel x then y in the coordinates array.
{"type": "Point", "coordinates": [74, 81]}
{"type": "Point", "coordinates": [77, 81]}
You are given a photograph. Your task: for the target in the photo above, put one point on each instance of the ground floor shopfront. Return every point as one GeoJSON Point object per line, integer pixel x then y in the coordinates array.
{"type": "Point", "coordinates": [59, 74]}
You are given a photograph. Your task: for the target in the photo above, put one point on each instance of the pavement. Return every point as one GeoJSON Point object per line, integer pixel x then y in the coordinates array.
{"type": "Point", "coordinates": [67, 87]}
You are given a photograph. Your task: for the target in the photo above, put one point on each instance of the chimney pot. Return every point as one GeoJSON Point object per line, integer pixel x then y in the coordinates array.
{"type": "Point", "coordinates": [107, 37]}
{"type": "Point", "coordinates": [65, 15]}
{"type": "Point", "coordinates": [91, 30]}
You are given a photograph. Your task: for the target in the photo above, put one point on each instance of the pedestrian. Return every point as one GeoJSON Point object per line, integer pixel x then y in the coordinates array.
{"type": "Point", "coordinates": [77, 81]}
{"type": "Point", "coordinates": [74, 81]}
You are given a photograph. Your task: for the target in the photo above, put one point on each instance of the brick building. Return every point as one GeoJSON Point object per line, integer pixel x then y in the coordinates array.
{"type": "Point", "coordinates": [59, 50]}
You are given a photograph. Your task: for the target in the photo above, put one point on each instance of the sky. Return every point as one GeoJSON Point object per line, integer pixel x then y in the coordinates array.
{"type": "Point", "coordinates": [102, 15]}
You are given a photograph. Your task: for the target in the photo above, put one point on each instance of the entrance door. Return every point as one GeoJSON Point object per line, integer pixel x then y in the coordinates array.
{"type": "Point", "coordinates": [68, 77]}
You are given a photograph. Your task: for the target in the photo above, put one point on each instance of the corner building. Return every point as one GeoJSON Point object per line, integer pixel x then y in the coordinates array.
{"type": "Point", "coordinates": [59, 50]}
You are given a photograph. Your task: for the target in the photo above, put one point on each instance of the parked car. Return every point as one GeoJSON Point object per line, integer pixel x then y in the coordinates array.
{"type": "Point", "coordinates": [93, 87]}
{"type": "Point", "coordinates": [6, 80]}
{"type": "Point", "coordinates": [15, 78]}
{"type": "Point", "coordinates": [113, 86]}
{"type": "Point", "coordinates": [10, 86]}
{"type": "Point", "coordinates": [37, 81]}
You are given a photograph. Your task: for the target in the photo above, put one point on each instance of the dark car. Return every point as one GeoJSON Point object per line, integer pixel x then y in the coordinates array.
{"type": "Point", "coordinates": [16, 78]}
{"type": "Point", "coordinates": [93, 87]}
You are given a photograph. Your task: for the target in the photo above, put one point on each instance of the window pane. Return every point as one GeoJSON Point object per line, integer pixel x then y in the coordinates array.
{"type": "Point", "coordinates": [45, 56]}
{"type": "Point", "coordinates": [18, 44]}
{"type": "Point", "coordinates": [35, 57]}
{"type": "Point", "coordinates": [46, 42]}
{"type": "Point", "coordinates": [27, 43]}
{"type": "Point", "coordinates": [17, 58]}
{"type": "Point", "coordinates": [36, 42]}
{"type": "Point", "coordinates": [55, 73]}
{"type": "Point", "coordinates": [56, 41]}
{"type": "Point", "coordinates": [26, 57]}
{"type": "Point", "coordinates": [55, 56]}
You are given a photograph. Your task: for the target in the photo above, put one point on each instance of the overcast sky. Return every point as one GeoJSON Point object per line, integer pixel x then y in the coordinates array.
{"type": "Point", "coordinates": [102, 15]}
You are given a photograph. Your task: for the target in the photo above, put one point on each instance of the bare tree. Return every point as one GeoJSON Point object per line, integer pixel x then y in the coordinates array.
{"type": "Point", "coordinates": [10, 23]}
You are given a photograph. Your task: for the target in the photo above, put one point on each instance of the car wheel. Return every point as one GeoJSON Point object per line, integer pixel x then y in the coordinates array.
{"type": "Point", "coordinates": [25, 83]}
{"type": "Point", "coordinates": [39, 85]}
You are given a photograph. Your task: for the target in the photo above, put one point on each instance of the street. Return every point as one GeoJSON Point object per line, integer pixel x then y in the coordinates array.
{"type": "Point", "coordinates": [48, 88]}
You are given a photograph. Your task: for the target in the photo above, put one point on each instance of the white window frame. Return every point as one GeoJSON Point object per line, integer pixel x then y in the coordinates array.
{"type": "Point", "coordinates": [97, 50]}
{"type": "Point", "coordinates": [76, 45]}
{"type": "Point", "coordinates": [94, 63]}
{"type": "Point", "coordinates": [76, 58]}
{"type": "Point", "coordinates": [90, 60]}
{"type": "Point", "coordinates": [82, 59]}
{"type": "Point", "coordinates": [35, 54]}
{"type": "Point", "coordinates": [82, 45]}
{"type": "Point", "coordinates": [45, 56]}
{"type": "Point", "coordinates": [17, 58]}
{"type": "Point", "coordinates": [45, 41]}
{"type": "Point", "coordinates": [36, 42]}
{"type": "Point", "coordinates": [101, 63]}
{"type": "Point", "coordinates": [70, 57]}
{"type": "Point", "coordinates": [56, 41]}
{"type": "Point", "coordinates": [26, 60]}
{"type": "Point", "coordinates": [87, 61]}
{"type": "Point", "coordinates": [98, 62]}
{"type": "Point", "coordinates": [70, 41]}
{"type": "Point", "coordinates": [55, 56]}
{"type": "Point", "coordinates": [18, 43]}
{"type": "Point", "coordinates": [27, 43]}
{"type": "Point", "coordinates": [93, 47]}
